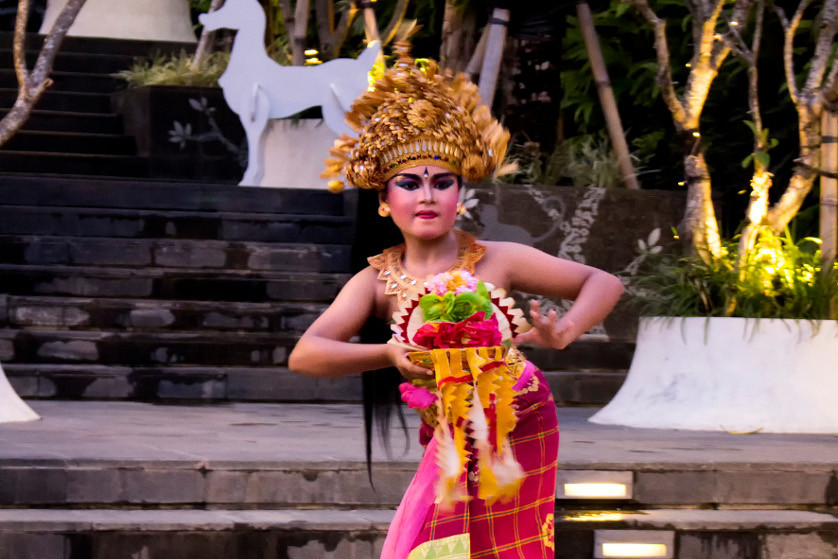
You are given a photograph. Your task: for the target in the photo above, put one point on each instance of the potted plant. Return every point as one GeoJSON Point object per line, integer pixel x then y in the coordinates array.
{"type": "Point", "coordinates": [746, 331]}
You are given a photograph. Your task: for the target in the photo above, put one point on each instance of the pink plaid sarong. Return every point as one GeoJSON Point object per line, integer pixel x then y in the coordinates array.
{"type": "Point", "coordinates": [521, 528]}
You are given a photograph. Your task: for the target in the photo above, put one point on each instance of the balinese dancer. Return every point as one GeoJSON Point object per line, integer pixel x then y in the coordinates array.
{"type": "Point", "coordinates": [485, 487]}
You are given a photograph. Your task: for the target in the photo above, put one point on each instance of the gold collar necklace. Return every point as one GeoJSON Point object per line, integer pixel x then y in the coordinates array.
{"type": "Point", "coordinates": [400, 283]}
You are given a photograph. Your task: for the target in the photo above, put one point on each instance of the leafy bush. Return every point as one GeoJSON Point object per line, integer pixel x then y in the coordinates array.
{"type": "Point", "coordinates": [583, 160]}
{"type": "Point", "coordinates": [176, 70]}
{"type": "Point", "coordinates": [780, 278]}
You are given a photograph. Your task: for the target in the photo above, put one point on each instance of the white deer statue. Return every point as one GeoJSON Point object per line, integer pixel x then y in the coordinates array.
{"type": "Point", "coordinates": [257, 88]}
{"type": "Point", "coordinates": [12, 408]}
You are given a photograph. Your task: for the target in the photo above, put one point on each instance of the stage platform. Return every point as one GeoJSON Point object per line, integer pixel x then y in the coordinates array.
{"type": "Point", "coordinates": [110, 480]}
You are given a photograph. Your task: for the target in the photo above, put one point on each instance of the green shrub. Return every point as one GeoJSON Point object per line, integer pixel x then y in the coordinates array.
{"type": "Point", "coordinates": [176, 70]}
{"type": "Point", "coordinates": [780, 278]}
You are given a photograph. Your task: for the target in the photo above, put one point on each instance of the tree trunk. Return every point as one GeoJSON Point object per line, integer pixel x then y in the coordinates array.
{"type": "Point", "coordinates": [805, 173]}
{"type": "Point", "coordinates": [700, 224]}
{"type": "Point", "coordinates": [699, 227]}
{"type": "Point", "coordinates": [459, 28]}
{"type": "Point", "coordinates": [829, 190]}
{"type": "Point", "coordinates": [298, 32]}
{"type": "Point", "coordinates": [205, 42]}
{"type": "Point", "coordinates": [32, 85]}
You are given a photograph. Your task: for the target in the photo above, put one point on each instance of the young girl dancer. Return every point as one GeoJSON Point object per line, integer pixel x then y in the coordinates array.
{"type": "Point", "coordinates": [421, 133]}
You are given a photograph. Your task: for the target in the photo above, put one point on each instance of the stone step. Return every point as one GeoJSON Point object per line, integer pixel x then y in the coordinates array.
{"type": "Point", "coordinates": [71, 142]}
{"type": "Point", "coordinates": [169, 195]}
{"type": "Point", "coordinates": [163, 224]}
{"type": "Point", "coordinates": [171, 283]}
{"type": "Point", "coordinates": [138, 349]}
{"type": "Point", "coordinates": [103, 534]}
{"type": "Point", "coordinates": [83, 164]}
{"type": "Point", "coordinates": [178, 383]}
{"type": "Point", "coordinates": [81, 102]}
{"type": "Point", "coordinates": [174, 253]}
{"type": "Point", "coordinates": [66, 121]}
{"type": "Point", "coordinates": [186, 481]}
{"type": "Point", "coordinates": [588, 353]}
{"type": "Point", "coordinates": [213, 383]}
{"type": "Point", "coordinates": [584, 388]}
{"type": "Point", "coordinates": [155, 315]}
{"type": "Point", "coordinates": [359, 534]}
{"type": "Point", "coordinates": [100, 63]}
{"type": "Point", "coordinates": [81, 82]}
{"type": "Point", "coordinates": [700, 534]}
{"type": "Point", "coordinates": [102, 46]}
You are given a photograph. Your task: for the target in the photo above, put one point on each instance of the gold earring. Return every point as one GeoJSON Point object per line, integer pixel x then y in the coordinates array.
{"type": "Point", "coordinates": [461, 208]}
{"type": "Point", "coordinates": [384, 209]}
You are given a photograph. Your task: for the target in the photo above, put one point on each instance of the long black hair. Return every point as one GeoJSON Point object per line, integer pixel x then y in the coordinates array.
{"type": "Point", "coordinates": [380, 388]}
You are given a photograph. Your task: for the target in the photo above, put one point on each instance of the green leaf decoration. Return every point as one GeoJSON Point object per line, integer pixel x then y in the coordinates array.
{"type": "Point", "coordinates": [432, 306]}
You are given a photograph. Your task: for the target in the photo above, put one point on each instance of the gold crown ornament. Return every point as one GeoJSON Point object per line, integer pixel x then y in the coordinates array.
{"type": "Point", "coordinates": [416, 114]}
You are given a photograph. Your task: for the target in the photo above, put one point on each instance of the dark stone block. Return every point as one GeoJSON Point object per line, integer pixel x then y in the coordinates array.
{"type": "Point", "coordinates": [33, 546]}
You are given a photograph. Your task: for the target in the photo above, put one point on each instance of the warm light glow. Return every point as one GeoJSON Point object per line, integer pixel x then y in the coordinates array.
{"type": "Point", "coordinates": [688, 65]}
{"type": "Point", "coordinates": [734, 23]}
{"type": "Point", "coordinates": [682, 183]}
{"type": "Point", "coordinates": [313, 61]}
{"type": "Point", "coordinates": [594, 516]}
{"type": "Point", "coordinates": [634, 550]}
{"type": "Point", "coordinates": [595, 490]}
{"type": "Point", "coordinates": [311, 52]}
{"type": "Point", "coordinates": [696, 134]}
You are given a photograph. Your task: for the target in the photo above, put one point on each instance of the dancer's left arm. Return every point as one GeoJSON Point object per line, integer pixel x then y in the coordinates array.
{"type": "Point", "coordinates": [594, 292]}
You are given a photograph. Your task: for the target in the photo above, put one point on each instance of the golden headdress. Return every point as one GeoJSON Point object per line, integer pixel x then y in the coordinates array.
{"type": "Point", "coordinates": [414, 115]}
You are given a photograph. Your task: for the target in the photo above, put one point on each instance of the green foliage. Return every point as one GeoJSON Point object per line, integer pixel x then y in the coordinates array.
{"type": "Point", "coordinates": [780, 278]}
{"type": "Point", "coordinates": [176, 70]}
{"type": "Point", "coordinates": [584, 161]}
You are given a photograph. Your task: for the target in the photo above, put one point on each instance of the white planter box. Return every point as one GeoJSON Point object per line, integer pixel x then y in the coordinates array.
{"type": "Point", "coordinates": [148, 20]}
{"type": "Point", "coordinates": [294, 151]}
{"type": "Point", "coordinates": [734, 374]}
{"type": "Point", "coordinates": [12, 408]}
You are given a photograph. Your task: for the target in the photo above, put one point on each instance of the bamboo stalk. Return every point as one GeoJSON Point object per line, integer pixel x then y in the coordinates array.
{"type": "Point", "coordinates": [606, 95]}
{"type": "Point", "coordinates": [476, 61]}
{"type": "Point", "coordinates": [829, 189]}
{"type": "Point", "coordinates": [493, 55]}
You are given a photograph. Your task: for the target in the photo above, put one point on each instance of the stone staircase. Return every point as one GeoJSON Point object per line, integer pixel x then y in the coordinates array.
{"type": "Point", "coordinates": [153, 290]}
{"type": "Point", "coordinates": [74, 129]}
{"type": "Point", "coordinates": [261, 481]}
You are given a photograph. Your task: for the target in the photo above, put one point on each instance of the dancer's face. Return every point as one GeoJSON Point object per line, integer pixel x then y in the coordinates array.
{"type": "Point", "coordinates": [423, 200]}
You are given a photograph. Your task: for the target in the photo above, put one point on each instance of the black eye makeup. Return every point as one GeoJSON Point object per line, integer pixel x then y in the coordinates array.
{"type": "Point", "coordinates": [445, 182]}
{"type": "Point", "coordinates": [407, 183]}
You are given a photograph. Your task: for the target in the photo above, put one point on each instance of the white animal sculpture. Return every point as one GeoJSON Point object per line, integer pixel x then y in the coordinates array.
{"type": "Point", "coordinates": [257, 88]}
{"type": "Point", "coordinates": [12, 408]}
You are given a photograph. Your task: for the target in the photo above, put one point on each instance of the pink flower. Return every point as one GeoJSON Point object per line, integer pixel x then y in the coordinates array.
{"type": "Point", "coordinates": [458, 281]}
{"type": "Point", "coordinates": [416, 397]}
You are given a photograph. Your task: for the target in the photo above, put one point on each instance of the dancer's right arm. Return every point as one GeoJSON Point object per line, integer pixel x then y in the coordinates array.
{"type": "Point", "coordinates": [324, 349]}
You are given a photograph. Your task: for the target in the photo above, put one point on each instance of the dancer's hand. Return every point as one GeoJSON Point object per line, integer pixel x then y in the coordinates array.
{"type": "Point", "coordinates": [408, 369]}
{"type": "Point", "coordinates": [546, 330]}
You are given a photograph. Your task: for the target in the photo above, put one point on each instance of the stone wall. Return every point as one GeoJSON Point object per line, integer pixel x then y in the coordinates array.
{"type": "Point", "coordinates": [610, 229]}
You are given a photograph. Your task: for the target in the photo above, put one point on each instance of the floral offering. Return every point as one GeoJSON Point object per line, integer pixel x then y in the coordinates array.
{"type": "Point", "coordinates": [455, 311]}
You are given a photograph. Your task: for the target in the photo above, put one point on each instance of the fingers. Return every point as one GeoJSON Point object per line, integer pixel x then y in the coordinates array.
{"type": "Point", "coordinates": [409, 369]}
